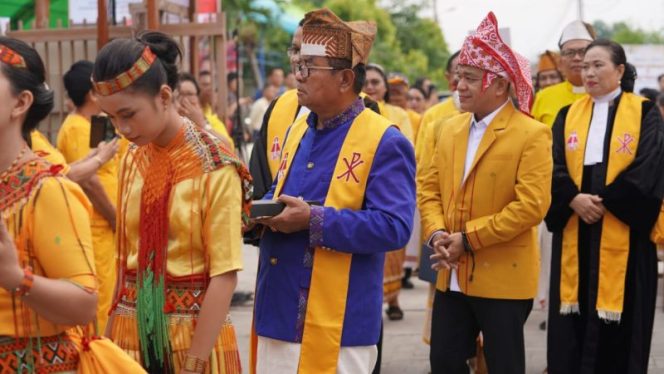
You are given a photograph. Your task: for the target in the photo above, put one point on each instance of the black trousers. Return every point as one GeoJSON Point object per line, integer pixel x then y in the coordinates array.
{"type": "Point", "coordinates": [456, 323]}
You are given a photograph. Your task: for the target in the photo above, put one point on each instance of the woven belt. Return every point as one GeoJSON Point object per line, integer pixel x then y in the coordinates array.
{"type": "Point", "coordinates": [52, 354]}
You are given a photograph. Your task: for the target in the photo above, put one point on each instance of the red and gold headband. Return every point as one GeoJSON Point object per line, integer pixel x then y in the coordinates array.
{"type": "Point", "coordinates": [10, 57]}
{"type": "Point", "coordinates": [130, 76]}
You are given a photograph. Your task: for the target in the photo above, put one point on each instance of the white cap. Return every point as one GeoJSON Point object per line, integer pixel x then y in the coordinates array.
{"type": "Point", "coordinates": [576, 30]}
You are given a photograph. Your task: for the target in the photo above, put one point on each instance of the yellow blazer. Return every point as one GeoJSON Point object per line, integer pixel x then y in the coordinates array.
{"type": "Point", "coordinates": [499, 205]}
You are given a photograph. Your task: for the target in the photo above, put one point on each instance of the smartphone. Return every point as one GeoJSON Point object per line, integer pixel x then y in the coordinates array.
{"type": "Point", "coordinates": [266, 208]}
{"type": "Point", "coordinates": [101, 129]}
{"type": "Point", "coordinates": [270, 208]}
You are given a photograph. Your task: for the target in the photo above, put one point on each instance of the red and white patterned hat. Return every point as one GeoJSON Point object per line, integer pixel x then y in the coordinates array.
{"type": "Point", "coordinates": [486, 50]}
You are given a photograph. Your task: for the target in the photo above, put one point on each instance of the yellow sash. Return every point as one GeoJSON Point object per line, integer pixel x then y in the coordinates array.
{"type": "Point", "coordinates": [282, 116]}
{"type": "Point", "coordinates": [328, 291]}
{"type": "Point", "coordinates": [657, 235]}
{"type": "Point", "coordinates": [614, 244]}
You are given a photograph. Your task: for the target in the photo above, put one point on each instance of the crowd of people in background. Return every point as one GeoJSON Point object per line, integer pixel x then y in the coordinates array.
{"type": "Point", "coordinates": [505, 192]}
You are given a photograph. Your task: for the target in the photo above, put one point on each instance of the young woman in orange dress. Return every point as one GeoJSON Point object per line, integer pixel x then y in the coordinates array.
{"type": "Point", "coordinates": [47, 281]}
{"type": "Point", "coordinates": [182, 199]}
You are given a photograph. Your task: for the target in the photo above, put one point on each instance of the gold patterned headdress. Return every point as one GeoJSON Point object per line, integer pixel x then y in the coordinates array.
{"type": "Point", "coordinates": [124, 80]}
{"type": "Point", "coordinates": [326, 35]}
{"type": "Point", "coordinates": [11, 57]}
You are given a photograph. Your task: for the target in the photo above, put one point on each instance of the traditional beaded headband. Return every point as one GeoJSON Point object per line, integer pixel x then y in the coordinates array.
{"type": "Point", "coordinates": [130, 76]}
{"type": "Point", "coordinates": [10, 57]}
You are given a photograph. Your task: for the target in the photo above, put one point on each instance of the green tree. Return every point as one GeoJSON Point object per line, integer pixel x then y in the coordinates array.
{"type": "Point", "coordinates": [256, 26]}
{"type": "Point", "coordinates": [624, 33]}
{"type": "Point", "coordinates": [416, 34]}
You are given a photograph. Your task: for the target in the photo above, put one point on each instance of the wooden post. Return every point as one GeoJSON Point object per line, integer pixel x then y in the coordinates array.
{"type": "Point", "coordinates": [42, 13]}
{"type": "Point", "coordinates": [102, 23]}
{"type": "Point", "coordinates": [220, 60]}
{"type": "Point", "coordinates": [193, 40]}
{"type": "Point", "coordinates": [152, 15]}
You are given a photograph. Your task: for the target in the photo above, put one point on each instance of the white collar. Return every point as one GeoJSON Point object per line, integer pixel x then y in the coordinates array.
{"type": "Point", "coordinates": [486, 121]}
{"type": "Point", "coordinates": [578, 89]}
{"type": "Point", "coordinates": [608, 97]}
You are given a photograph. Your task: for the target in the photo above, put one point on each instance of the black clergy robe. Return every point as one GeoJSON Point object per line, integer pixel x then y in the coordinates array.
{"type": "Point", "coordinates": [582, 343]}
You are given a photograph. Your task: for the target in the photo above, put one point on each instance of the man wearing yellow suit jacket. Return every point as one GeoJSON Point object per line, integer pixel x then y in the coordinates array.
{"type": "Point", "coordinates": [575, 38]}
{"type": "Point", "coordinates": [487, 189]}
{"type": "Point", "coordinates": [319, 288]}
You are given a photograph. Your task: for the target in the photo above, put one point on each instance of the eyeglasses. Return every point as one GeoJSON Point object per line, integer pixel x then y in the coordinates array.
{"type": "Point", "coordinates": [304, 70]}
{"type": "Point", "coordinates": [569, 53]}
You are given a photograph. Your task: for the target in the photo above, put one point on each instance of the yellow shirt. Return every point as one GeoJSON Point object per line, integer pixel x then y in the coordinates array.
{"type": "Point", "coordinates": [415, 121]}
{"type": "Point", "coordinates": [399, 117]}
{"type": "Point", "coordinates": [43, 148]}
{"type": "Point", "coordinates": [550, 100]}
{"type": "Point", "coordinates": [74, 144]}
{"type": "Point", "coordinates": [194, 213]}
{"type": "Point", "coordinates": [55, 221]}
{"type": "Point", "coordinates": [426, 137]}
{"type": "Point", "coordinates": [217, 124]}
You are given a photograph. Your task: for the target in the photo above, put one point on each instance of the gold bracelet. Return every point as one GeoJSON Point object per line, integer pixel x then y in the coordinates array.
{"type": "Point", "coordinates": [99, 160]}
{"type": "Point", "coordinates": [194, 364]}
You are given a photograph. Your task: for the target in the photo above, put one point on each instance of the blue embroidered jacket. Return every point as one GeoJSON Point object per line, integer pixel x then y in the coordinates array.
{"type": "Point", "coordinates": [383, 224]}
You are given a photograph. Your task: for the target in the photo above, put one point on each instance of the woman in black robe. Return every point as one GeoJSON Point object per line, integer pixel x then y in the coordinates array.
{"type": "Point", "coordinates": [583, 342]}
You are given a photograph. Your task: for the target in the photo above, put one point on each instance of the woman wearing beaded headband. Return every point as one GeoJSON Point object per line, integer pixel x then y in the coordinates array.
{"type": "Point", "coordinates": [47, 280]}
{"type": "Point", "coordinates": [179, 186]}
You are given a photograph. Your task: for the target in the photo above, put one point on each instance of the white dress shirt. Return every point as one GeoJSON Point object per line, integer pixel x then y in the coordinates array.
{"type": "Point", "coordinates": [597, 132]}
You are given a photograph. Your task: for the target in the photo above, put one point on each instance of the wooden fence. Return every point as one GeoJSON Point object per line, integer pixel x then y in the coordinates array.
{"type": "Point", "coordinates": [61, 47]}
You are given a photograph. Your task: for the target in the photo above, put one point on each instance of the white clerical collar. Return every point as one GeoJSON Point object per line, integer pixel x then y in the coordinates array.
{"type": "Point", "coordinates": [578, 89]}
{"type": "Point", "coordinates": [486, 121]}
{"type": "Point", "coordinates": [609, 97]}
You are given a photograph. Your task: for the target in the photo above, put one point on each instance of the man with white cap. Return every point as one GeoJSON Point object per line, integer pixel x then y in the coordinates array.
{"type": "Point", "coordinates": [573, 42]}
{"type": "Point", "coordinates": [486, 190]}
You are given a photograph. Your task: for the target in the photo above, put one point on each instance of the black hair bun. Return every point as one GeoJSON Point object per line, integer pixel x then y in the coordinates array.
{"type": "Point", "coordinates": [167, 50]}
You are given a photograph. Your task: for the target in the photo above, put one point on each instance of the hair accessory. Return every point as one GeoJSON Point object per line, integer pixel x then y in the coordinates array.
{"type": "Point", "coordinates": [11, 57]}
{"type": "Point", "coordinates": [124, 80]}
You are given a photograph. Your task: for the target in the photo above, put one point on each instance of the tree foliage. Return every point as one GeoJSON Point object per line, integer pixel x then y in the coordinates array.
{"type": "Point", "coordinates": [405, 42]}
{"type": "Point", "coordinates": [624, 33]}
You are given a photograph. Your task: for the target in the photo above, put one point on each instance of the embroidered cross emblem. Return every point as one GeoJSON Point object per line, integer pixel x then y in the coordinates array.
{"type": "Point", "coordinates": [350, 173]}
{"type": "Point", "coordinates": [282, 166]}
{"type": "Point", "coordinates": [275, 151]}
{"type": "Point", "coordinates": [625, 142]}
{"type": "Point", "coordinates": [573, 141]}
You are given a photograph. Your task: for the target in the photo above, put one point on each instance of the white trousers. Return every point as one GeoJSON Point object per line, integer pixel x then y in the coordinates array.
{"type": "Point", "coordinates": [414, 244]}
{"type": "Point", "coordinates": [280, 357]}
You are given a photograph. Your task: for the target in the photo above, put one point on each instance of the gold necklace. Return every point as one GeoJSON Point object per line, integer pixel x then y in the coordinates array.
{"type": "Point", "coordinates": [14, 163]}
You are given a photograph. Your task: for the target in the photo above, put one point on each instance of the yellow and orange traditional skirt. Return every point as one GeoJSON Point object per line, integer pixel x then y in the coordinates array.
{"type": "Point", "coordinates": [51, 354]}
{"type": "Point", "coordinates": [186, 297]}
{"type": "Point", "coordinates": [393, 273]}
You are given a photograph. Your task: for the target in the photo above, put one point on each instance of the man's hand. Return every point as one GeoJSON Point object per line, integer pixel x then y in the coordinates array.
{"type": "Point", "coordinates": [589, 207]}
{"type": "Point", "coordinates": [447, 248]}
{"type": "Point", "coordinates": [294, 218]}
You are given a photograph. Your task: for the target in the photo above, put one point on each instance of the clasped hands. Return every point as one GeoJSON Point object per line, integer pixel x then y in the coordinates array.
{"type": "Point", "coordinates": [295, 216]}
{"type": "Point", "coordinates": [588, 207]}
{"type": "Point", "coordinates": [448, 249]}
